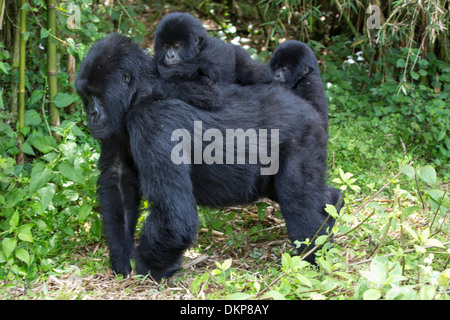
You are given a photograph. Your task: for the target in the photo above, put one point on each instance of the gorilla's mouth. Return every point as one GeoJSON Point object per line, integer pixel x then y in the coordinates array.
{"type": "Point", "coordinates": [97, 128]}
{"type": "Point", "coordinates": [170, 63]}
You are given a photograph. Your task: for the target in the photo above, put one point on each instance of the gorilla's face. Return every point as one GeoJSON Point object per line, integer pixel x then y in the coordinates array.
{"type": "Point", "coordinates": [178, 42]}
{"type": "Point", "coordinates": [106, 83]}
{"type": "Point", "coordinates": [292, 61]}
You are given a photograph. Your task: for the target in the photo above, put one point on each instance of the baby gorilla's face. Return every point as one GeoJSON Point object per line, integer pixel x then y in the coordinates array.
{"type": "Point", "coordinates": [172, 53]}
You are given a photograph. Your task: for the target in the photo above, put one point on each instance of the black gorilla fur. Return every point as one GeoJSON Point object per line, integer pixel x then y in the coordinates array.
{"type": "Point", "coordinates": [295, 64]}
{"type": "Point", "coordinates": [183, 50]}
{"type": "Point", "coordinates": [126, 111]}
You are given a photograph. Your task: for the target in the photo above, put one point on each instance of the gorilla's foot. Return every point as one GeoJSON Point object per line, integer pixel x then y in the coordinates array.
{"type": "Point", "coordinates": [156, 269]}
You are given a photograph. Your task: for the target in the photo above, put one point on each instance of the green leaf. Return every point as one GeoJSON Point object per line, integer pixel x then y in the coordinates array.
{"type": "Point", "coordinates": [238, 296]}
{"type": "Point", "coordinates": [438, 198]}
{"type": "Point", "coordinates": [408, 171]}
{"type": "Point", "coordinates": [14, 220]}
{"type": "Point", "coordinates": [304, 280]}
{"type": "Point", "coordinates": [8, 246]}
{"type": "Point", "coordinates": [434, 243]}
{"type": "Point", "coordinates": [24, 256]}
{"type": "Point", "coordinates": [427, 293]}
{"type": "Point", "coordinates": [321, 240]}
{"type": "Point", "coordinates": [372, 294]}
{"type": "Point", "coordinates": [32, 118]}
{"type": "Point", "coordinates": [226, 264]}
{"type": "Point", "coordinates": [84, 211]}
{"type": "Point", "coordinates": [62, 100]}
{"type": "Point", "coordinates": [411, 232]}
{"type": "Point", "coordinates": [427, 174]}
{"type": "Point", "coordinates": [393, 278]}
{"type": "Point", "coordinates": [274, 295]}
{"type": "Point", "coordinates": [26, 148]}
{"type": "Point", "coordinates": [40, 175]}
{"type": "Point", "coordinates": [331, 210]}
{"type": "Point", "coordinates": [44, 33]}
{"type": "Point", "coordinates": [46, 194]}
{"type": "Point", "coordinates": [15, 196]}
{"type": "Point", "coordinates": [71, 172]}
{"type": "Point", "coordinates": [25, 232]}
{"type": "Point", "coordinates": [377, 271]}
{"type": "Point", "coordinates": [44, 144]}
{"type": "Point", "coordinates": [401, 63]}
{"type": "Point", "coordinates": [409, 211]}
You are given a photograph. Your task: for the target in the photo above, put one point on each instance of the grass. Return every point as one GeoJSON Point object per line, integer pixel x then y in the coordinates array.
{"type": "Point", "coordinates": [375, 260]}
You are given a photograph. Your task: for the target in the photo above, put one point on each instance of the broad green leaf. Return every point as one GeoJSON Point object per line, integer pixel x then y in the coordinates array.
{"type": "Point", "coordinates": [238, 296]}
{"type": "Point", "coordinates": [321, 240]}
{"type": "Point", "coordinates": [438, 199]}
{"type": "Point", "coordinates": [62, 100]}
{"type": "Point", "coordinates": [401, 63]}
{"type": "Point", "coordinates": [26, 148]}
{"type": "Point", "coordinates": [434, 243]}
{"type": "Point", "coordinates": [274, 295]}
{"type": "Point", "coordinates": [394, 278]}
{"type": "Point", "coordinates": [331, 210]}
{"type": "Point", "coordinates": [372, 294]}
{"type": "Point", "coordinates": [377, 271]}
{"type": "Point", "coordinates": [24, 232]}
{"type": "Point", "coordinates": [32, 118]}
{"type": "Point", "coordinates": [44, 144]}
{"type": "Point", "coordinates": [46, 194]}
{"type": "Point", "coordinates": [411, 232]}
{"type": "Point", "coordinates": [40, 175]}
{"type": "Point", "coordinates": [414, 75]}
{"type": "Point", "coordinates": [427, 293]}
{"type": "Point", "coordinates": [304, 280]}
{"type": "Point", "coordinates": [409, 211]}
{"type": "Point", "coordinates": [409, 171]}
{"type": "Point", "coordinates": [14, 220]}
{"type": "Point", "coordinates": [15, 196]}
{"type": "Point", "coordinates": [427, 174]}
{"type": "Point", "coordinates": [84, 211]}
{"type": "Point", "coordinates": [8, 246]}
{"type": "Point", "coordinates": [227, 264]}
{"type": "Point", "coordinates": [71, 172]}
{"type": "Point", "coordinates": [24, 256]}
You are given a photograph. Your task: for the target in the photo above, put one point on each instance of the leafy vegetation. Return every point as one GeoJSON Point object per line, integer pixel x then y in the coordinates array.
{"type": "Point", "coordinates": [389, 152]}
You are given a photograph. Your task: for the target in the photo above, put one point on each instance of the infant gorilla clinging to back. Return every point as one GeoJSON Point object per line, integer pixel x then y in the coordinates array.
{"type": "Point", "coordinates": [185, 53]}
{"type": "Point", "coordinates": [295, 64]}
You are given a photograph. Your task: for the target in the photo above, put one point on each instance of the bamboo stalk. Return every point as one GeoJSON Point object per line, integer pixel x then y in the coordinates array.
{"type": "Point", "coordinates": [71, 71]}
{"type": "Point", "coordinates": [22, 61]}
{"type": "Point", "coordinates": [52, 70]}
{"type": "Point", "coordinates": [14, 104]}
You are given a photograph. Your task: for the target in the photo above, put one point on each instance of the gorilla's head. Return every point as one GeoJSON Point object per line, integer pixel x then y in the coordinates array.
{"type": "Point", "coordinates": [107, 81]}
{"type": "Point", "coordinates": [292, 61]}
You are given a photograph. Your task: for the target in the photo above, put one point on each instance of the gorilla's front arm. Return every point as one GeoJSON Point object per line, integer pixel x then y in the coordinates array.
{"type": "Point", "coordinates": [119, 198]}
{"type": "Point", "coordinates": [172, 225]}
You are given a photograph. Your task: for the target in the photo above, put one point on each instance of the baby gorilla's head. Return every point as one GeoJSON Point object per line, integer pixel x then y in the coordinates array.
{"type": "Point", "coordinates": [292, 61]}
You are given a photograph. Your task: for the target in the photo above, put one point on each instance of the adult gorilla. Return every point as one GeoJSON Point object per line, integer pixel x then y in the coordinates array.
{"type": "Point", "coordinates": [136, 125]}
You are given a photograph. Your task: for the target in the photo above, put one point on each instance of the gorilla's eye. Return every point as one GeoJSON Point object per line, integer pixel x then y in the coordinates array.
{"type": "Point", "coordinates": [126, 77]}
{"type": "Point", "coordinates": [197, 40]}
{"type": "Point", "coordinates": [177, 46]}
{"type": "Point", "coordinates": [306, 70]}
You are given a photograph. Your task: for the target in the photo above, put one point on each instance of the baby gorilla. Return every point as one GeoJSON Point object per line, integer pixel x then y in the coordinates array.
{"type": "Point", "coordinates": [295, 64]}
{"type": "Point", "coordinates": [184, 52]}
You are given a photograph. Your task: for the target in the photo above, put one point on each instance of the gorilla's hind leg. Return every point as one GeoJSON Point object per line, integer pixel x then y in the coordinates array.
{"type": "Point", "coordinates": [301, 192]}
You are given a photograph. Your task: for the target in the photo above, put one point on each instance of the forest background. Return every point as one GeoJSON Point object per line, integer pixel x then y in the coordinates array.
{"type": "Point", "coordinates": [386, 69]}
